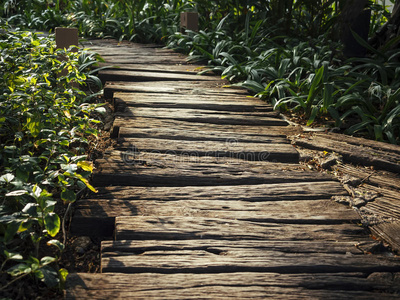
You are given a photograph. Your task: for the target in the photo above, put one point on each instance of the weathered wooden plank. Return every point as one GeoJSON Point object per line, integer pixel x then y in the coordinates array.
{"type": "Point", "coordinates": [177, 68]}
{"type": "Point", "coordinates": [120, 75]}
{"type": "Point", "coordinates": [385, 192]}
{"type": "Point", "coordinates": [230, 148]}
{"type": "Point", "coordinates": [241, 285]}
{"type": "Point", "coordinates": [200, 113]}
{"type": "Point", "coordinates": [288, 212]}
{"type": "Point", "coordinates": [112, 43]}
{"type": "Point", "coordinates": [250, 260]}
{"type": "Point", "coordinates": [196, 135]}
{"type": "Point", "coordinates": [238, 103]}
{"type": "Point", "coordinates": [172, 87]}
{"type": "Point", "coordinates": [178, 228]}
{"type": "Point", "coordinates": [363, 155]}
{"type": "Point", "coordinates": [252, 193]}
{"type": "Point", "coordinates": [379, 178]}
{"type": "Point", "coordinates": [388, 232]}
{"type": "Point", "coordinates": [385, 207]}
{"type": "Point", "coordinates": [357, 141]}
{"type": "Point", "coordinates": [141, 58]}
{"type": "Point", "coordinates": [154, 169]}
{"type": "Point", "coordinates": [223, 246]}
{"type": "Point", "coordinates": [106, 52]}
{"type": "Point", "coordinates": [139, 122]}
{"type": "Point", "coordinates": [201, 105]}
{"type": "Point", "coordinates": [204, 116]}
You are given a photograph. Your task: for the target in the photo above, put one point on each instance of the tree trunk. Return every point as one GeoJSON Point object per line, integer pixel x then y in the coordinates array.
{"type": "Point", "coordinates": [385, 37]}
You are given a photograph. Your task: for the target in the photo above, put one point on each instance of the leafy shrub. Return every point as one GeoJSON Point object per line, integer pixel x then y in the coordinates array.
{"type": "Point", "coordinates": [45, 121]}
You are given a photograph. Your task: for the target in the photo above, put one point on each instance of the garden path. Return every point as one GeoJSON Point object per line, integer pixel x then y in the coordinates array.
{"type": "Point", "coordinates": [204, 198]}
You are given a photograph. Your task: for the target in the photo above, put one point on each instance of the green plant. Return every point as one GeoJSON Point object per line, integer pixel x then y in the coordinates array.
{"type": "Point", "coordinates": [44, 124]}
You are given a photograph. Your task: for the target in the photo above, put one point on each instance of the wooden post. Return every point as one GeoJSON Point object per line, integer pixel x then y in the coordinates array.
{"type": "Point", "coordinates": [360, 25]}
{"type": "Point", "coordinates": [65, 38]}
{"type": "Point", "coordinates": [190, 20]}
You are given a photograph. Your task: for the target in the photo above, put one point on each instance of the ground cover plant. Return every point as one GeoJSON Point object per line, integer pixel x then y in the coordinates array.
{"type": "Point", "coordinates": [287, 52]}
{"type": "Point", "coordinates": [46, 125]}
{"type": "Point", "coordinates": [298, 64]}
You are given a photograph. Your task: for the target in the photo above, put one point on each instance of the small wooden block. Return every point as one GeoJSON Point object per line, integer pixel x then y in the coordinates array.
{"type": "Point", "coordinates": [190, 20]}
{"type": "Point", "coordinates": [66, 37]}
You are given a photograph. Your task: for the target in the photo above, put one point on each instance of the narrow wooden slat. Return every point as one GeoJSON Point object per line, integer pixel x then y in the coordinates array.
{"type": "Point", "coordinates": [375, 177]}
{"type": "Point", "coordinates": [241, 285]}
{"type": "Point", "coordinates": [292, 191]}
{"type": "Point", "coordinates": [248, 151]}
{"type": "Point", "coordinates": [155, 169]}
{"type": "Point", "coordinates": [357, 141]}
{"type": "Point", "coordinates": [139, 247]}
{"type": "Point", "coordinates": [250, 260]}
{"type": "Point", "coordinates": [165, 228]}
{"type": "Point", "coordinates": [172, 87]}
{"type": "Point", "coordinates": [231, 130]}
{"type": "Point", "coordinates": [293, 212]}
{"type": "Point", "coordinates": [197, 135]}
{"type": "Point", "coordinates": [356, 154]}
{"type": "Point", "coordinates": [204, 116]}
{"type": "Point", "coordinates": [141, 58]}
{"type": "Point", "coordinates": [120, 75]}
{"type": "Point", "coordinates": [388, 232]}
{"type": "Point", "coordinates": [389, 208]}
{"type": "Point", "coordinates": [209, 102]}
{"type": "Point", "coordinates": [191, 69]}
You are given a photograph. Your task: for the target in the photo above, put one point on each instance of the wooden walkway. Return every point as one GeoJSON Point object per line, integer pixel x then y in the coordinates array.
{"type": "Point", "coordinates": [204, 198]}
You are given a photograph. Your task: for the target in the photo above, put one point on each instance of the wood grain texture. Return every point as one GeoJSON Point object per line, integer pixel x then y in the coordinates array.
{"type": "Point", "coordinates": [232, 130]}
{"type": "Point", "coordinates": [357, 154]}
{"type": "Point", "coordinates": [293, 212]}
{"type": "Point", "coordinates": [204, 116]}
{"type": "Point", "coordinates": [292, 191]}
{"type": "Point", "coordinates": [282, 152]}
{"type": "Point", "coordinates": [197, 135]}
{"type": "Point", "coordinates": [234, 103]}
{"type": "Point", "coordinates": [155, 169]}
{"type": "Point", "coordinates": [137, 76]}
{"type": "Point", "coordinates": [248, 260]}
{"type": "Point", "coordinates": [220, 246]}
{"type": "Point", "coordinates": [177, 228]}
{"type": "Point", "coordinates": [203, 88]}
{"type": "Point", "coordinates": [241, 285]}
{"type": "Point", "coordinates": [388, 232]}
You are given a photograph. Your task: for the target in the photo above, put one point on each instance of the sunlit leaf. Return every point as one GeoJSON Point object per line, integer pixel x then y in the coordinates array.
{"type": "Point", "coordinates": [52, 223]}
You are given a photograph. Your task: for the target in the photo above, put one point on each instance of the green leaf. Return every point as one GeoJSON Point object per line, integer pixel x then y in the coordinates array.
{"type": "Point", "coordinates": [68, 196]}
{"type": "Point", "coordinates": [62, 274]}
{"type": "Point", "coordinates": [52, 223]}
{"type": "Point", "coordinates": [7, 178]}
{"type": "Point", "coordinates": [314, 84]}
{"type": "Point", "coordinates": [19, 269]}
{"type": "Point", "coordinates": [22, 175]}
{"type": "Point", "coordinates": [365, 44]}
{"type": "Point", "coordinates": [16, 193]}
{"type": "Point", "coordinates": [30, 209]}
{"type": "Point", "coordinates": [314, 113]}
{"type": "Point", "coordinates": [86, 165]}
{"type": "Point", "coordinates": [11, 231]}
{"type": "Point", "coordinates": [47, 260]}
{"type": "Point", "coordinates": [49, 276]}
{"type": "Point", "coordinates": [56, 243]}
{"type": "Point", "coordinates": [13, 255]}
